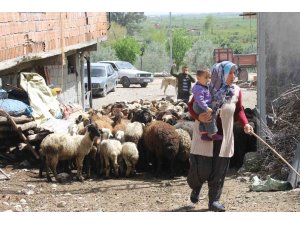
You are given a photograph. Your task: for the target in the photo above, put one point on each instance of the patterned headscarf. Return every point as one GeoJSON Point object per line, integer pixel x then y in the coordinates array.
{"type": "Point", "coordinates": [220, 91]}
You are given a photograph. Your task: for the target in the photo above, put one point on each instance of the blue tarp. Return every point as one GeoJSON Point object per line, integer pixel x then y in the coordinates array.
{"type": "Point", "coordinates": [15, 107]}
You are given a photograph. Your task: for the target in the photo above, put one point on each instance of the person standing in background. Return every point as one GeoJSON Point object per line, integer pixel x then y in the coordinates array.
{"type": "Point", "coordinates": [184, 83]}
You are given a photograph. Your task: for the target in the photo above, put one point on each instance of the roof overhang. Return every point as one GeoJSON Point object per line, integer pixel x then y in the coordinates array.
{"type": "Point", "coordinates": [44, 58]}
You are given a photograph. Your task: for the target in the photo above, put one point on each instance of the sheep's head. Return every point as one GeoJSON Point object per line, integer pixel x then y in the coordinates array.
{"type": "Point", "coordinates": [143, 116]}
{"type": "Point", "coordinates": [170, 119]}
{"type": "Point", "coordinates": [118, 117]}
{"type": "Point", "coordinates": [105, 133]}
{"type": "Point", "coordinates": [93, 131]}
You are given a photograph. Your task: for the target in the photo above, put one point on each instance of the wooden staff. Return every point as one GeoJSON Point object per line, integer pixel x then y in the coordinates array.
{"type": "Point", "coordinates": [276, 153]}
{"type": "Point", "coordinates": [4, 174]}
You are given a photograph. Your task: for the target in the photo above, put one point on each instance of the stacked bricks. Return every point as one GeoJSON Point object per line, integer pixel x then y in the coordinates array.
{"type": "Point", "coordinates": [24, 32]}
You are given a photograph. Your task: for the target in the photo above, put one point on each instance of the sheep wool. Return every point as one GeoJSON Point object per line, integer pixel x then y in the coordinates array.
{"type": "Point", "coordinates": [58, 146]}
{"type": "Point", "coordinates": [163, 141]}
{"type": "Point", "coordinates": [130, 154]}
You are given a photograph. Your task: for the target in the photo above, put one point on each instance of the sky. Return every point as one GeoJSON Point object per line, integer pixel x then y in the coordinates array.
{"type": "Point", "coordinates": [157, 6]}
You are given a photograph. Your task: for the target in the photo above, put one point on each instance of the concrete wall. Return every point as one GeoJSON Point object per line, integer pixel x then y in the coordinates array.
{"type": "Point", "coordinates": [278, 55]}
{"type": "Point", "coordinates": [71, 88]}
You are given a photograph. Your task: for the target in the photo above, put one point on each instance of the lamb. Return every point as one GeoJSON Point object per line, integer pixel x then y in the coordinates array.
{"type": "Point", "coordinates": [130, 155]}
{"type": "Point", "coordinates": [58, 146]}
{"type": "Point", "coordinates": [162, 140]}
{"type": "Point", "coordinates": [110, 152]}
{"type": "Point", "coordinates": [120, 136]}
{"type": "Point", "coordinates": [134, 133]}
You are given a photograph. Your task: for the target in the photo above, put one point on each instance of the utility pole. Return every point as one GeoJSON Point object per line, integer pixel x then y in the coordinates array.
{"type": "Point", "coordinates": [171, 47]}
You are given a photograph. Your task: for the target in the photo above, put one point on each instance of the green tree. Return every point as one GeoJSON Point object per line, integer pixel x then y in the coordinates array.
{"type": "Point", "coordinates": [209, 24]}
{"type": "Point", "coordinates": [103, 53]}
{"type": "Point", "coordinates": [153, 52]}
{"type": "Point", "coordinates": [130, 20]}
{"type": "Point", "coordinates": [200, 55]}
{"type": "Point", "coordinates": [127, 49]}
{"type": "Point", "coordinates": [115, 33]}
{"type": "Point", "coordinates": [181, 43]}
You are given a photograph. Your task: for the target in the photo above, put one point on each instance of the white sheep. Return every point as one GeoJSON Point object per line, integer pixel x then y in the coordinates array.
{"type": "Point", "coordinates": [120, 135]}
{"type": "Point", "coordinates": [59, 146]}
{"type": "Point", "coordinates": [134, 132]}
{"type": "Point", "coordinates": [73, 129]}
{"type": "Point", "coordinates": [110, 152]}
{"type": "Point", "coordinates": [185, 125]}
{"type": "Point", "coordinates": [185, 143]}
{"type": "Point", "coordinates": [130, 154]}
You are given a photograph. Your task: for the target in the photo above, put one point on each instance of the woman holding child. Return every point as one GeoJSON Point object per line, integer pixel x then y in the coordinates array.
{"type": "Point", "coordinates": [210, 155]}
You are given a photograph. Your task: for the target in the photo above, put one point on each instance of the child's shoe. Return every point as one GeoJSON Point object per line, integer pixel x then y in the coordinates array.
{"type": "Point", "coordinates": [205, 137]}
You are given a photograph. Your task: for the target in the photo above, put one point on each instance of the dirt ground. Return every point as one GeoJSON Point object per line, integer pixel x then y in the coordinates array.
{"type": "Point", "coordinates": [143, 193]}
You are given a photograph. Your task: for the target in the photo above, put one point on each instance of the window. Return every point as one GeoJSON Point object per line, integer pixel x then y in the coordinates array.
{"type": "Point", "coordinates": [96, 72]}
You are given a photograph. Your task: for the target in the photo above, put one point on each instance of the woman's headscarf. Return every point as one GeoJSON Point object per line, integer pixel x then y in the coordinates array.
{"type": "Point", "coordinates": [220, 91]}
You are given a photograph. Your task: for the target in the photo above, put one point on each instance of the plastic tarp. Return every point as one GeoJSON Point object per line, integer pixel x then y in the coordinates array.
{"type": "Point", "coordinates": [3, 94]}
{"type": "Point", "coordinates": [15, 107]}
{"type": "Point", "coordinates": [269, 185]}
{"type": "Point", "coordinates": [56, 125]}
{"type": "Point", "coordinates": [45, 105]}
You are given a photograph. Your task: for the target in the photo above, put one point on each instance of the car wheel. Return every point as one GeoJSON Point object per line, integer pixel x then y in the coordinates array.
{"type": "Point", "coordinates": [104, 92]}
{"type": "Point", "coordinates": [144, 85]}
{"type": "Point", "coordinates": [125, 82]}
{"type": "Point", "coordinates": [114, 88]}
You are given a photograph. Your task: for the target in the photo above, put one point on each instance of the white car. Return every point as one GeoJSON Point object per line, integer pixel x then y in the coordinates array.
{"type": "Point", "coordinates": [128, 74]}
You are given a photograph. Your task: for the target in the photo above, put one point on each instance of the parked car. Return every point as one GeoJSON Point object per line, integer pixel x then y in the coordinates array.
{"type": "Point", "coordinates": [103, 78]}
{"type": "Point", "coordinates": [128, 74]}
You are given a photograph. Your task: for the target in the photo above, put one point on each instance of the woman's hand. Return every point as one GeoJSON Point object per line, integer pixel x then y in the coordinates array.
{"type": "Point", "coordinates": [204, 117]}
{"type": "Point", "coordinates": [248, 128]}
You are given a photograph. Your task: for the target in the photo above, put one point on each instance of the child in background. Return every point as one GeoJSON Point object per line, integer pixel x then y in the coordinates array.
{"type": "Point", "coordinates": [202, 104]}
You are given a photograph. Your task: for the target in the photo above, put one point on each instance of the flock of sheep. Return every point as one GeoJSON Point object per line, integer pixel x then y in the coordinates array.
{"type": "Point", "coordinates": [123, 138]}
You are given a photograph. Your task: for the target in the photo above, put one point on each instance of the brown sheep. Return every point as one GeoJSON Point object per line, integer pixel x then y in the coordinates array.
{"type": "Point", "coordinates": [119, 123]}
{"type": "Point", "coordinates": [162, 140]}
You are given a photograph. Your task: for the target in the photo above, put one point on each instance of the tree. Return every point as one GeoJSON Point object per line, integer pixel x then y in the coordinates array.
{"type": "Point", "coordinates": [153, 52]}
{"type": "Point", "coordinates": [103, 53]}
{"type": "Point", "coordinates": [181, 43]}
{"type": "Point", "coordinates": [130, 20]}
{"type": "Point", "coordinates": [127, 49]}
{"type": "Point", "coordinates": [115, 33]}
{"type": "Point", "coordinates": [200, 55]}
{"type": "Point", "coordinates": [208, 24]}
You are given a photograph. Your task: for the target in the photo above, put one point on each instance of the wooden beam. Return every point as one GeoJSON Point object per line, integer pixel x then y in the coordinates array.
{"type": "Point", "coordinates": [22, 136]}
{"type": "Point", "coordinates": [18, 119]}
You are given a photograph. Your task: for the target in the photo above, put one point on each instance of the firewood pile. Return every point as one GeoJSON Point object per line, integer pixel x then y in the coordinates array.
{"type": "Point", "coordinates": [21, 133]}
{"type": "Point", "coordinates": [285, 130]}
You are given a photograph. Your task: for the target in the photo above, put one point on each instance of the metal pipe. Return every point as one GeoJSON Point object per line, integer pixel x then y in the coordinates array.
{"type": "Point", "coordinates": [89, 86]}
